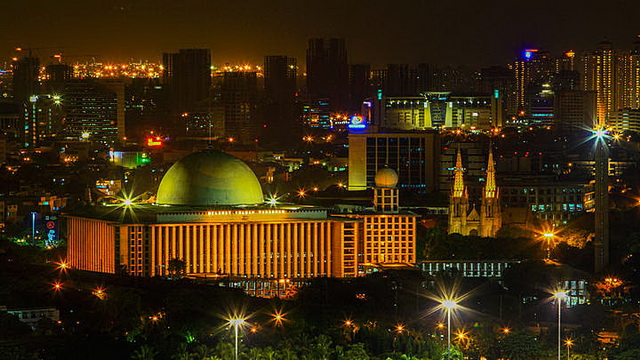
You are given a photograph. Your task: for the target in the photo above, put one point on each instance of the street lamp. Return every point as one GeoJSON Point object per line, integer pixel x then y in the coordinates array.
{"type": "Point", "coordinates": [548, 236]}
{"type": "Point", "coordinates": [569, 344]}
{"type": "Point", "coordinates": [449, 305]}
{"type": "Point", "coordinates": [236, 323]}
{"type": "Point", "coordinates": [559, 296]}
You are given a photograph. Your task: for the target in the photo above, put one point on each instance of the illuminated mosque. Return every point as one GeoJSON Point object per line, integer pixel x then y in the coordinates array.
{"type": "Point", "coordinates": [210, 212]}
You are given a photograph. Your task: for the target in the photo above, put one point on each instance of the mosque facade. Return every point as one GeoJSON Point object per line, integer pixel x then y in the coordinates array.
{"type": "Point", "coordinates": [210, 213]}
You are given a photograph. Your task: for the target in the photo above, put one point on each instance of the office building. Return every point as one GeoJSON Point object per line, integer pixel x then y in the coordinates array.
{"type": "Point", "coordinates": [415, 156]}
{"type": "Point", "coordinates": [239, 99]}
{"type": "Point", "coordinates": [550, 200]}
{"type": "Point", "coordinates": [25, 78]}
{"type": "Point", "coordinates": [359, 86]}
{"type": "Point", "coordinates": [501, 79]}
{"type": "Point", "coordinates": [575, 109]}
{"type": "Point", "coordinates": [57, 75]}
{"type": "Point", "coordinates": [11, 119]}
{"type": "Point", "coordinates": [541, 109]}
{"type": "Point", "coordinates": [407, 80]}
{"type": "Point", "coordinates": [187, 76]}
{"type": "Point", "coordinates": [328, 72]}
{"type": "Point", "coordinates": [318, 114]}
{"type": "Point", "coordinates": [44, 118]}
{"type": "Point", "coordinates": [204, 124]}
{"type": "Point", "coordinates": [280, 90]}
{"type": "Point", "coordinates": [438, 110]}
{"type": "Point", "coordinates": [94, 111]}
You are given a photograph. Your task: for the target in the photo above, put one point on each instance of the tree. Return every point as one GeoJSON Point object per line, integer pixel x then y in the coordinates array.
{"type": "Point", "coordinates": [145, 352]}
{"type": "Point", "coordinates": [456, 354]}
{"type": "Point", "coordinates": [521, 346]}
{"type": "Point", "coordinates": [321, 348]}
{"type": "Point", "coordinates": [632, 354]}
{"type": "Point", "coordinates": [177, 267]}
{"type": "Point", "coordinates": [287, 354]}
{"type": "Point", "coordinates": [355, 352]}
{"type": "Point", "coordinates": [183, 353]}
{"type": "Point", "coordinates": [202, 352]}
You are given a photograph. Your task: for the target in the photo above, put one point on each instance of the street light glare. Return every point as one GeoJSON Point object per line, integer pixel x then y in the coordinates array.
{"type": "Point", "coordinates": [560, 295]}
{"type": "Point", "coordinates": [600, 133]}
{"type": "Point", "coordinates": [449, 304]}
{"type": "Point", "coordinates": [236, 322]}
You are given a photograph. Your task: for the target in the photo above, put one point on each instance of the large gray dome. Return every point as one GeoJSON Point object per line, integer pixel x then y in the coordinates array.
{"type": "Point", "coordinates": [209, 178]}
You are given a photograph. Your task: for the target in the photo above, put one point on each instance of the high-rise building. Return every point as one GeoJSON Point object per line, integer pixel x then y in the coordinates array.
{"type": "Point", "coordinates": [574, 109]}
{"type": "Point", "coordinates": [280, 77]}
{"type": "Point", "coordinates": [25, 78]}
{"type": "Point", "coordinates": [94, 111]}
{"type": "Point", "coordinates": [280, 90]}
{"type": "Point", "coordinates": [413, 155]}
{"type": "Point", "coordinates": [599, 75]}
{"type": "Point", "coordinates": [625, 120]}
{"type": "Point", "coordinates": [144, 107]}
{"type": "Point", "coordinates": [541, 110]}
{"type": "Point", "coordinates": [501, 79]}
{"type": "Point", "coordinates": [317, 114]}
{"type": "Point", "coordinates": [239, 98]}
{"type": "Point", "coordinates": [565, 80]}
{"type": "Point", "coordinates": [187, 75]}
{"type": "Point", "coordinates": [628, 78]}
{"type": "Point", "coordinates": [359, 85]}
{"type": "Point", "coordinates": [59, 73]}
{"type": "Point", "coordinates": [533, 68]}
{"type": "Point", "coordinates": [44, 117]}
{"type": "Point", "coordinates": [11, 115]}
{"type": "Point", "coordinates": [328, 72]}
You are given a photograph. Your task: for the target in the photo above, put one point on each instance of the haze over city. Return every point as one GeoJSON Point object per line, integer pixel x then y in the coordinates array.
{"type": "Point", "coordinates": [378, 32]}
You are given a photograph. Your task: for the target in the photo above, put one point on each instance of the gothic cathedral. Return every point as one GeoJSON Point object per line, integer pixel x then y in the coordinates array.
{"type": "Point", "coordinates": [465, 222]}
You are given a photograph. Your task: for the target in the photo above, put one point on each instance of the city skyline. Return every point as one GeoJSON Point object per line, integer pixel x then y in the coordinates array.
{"type": "Point", "coordinates": [466, 33]}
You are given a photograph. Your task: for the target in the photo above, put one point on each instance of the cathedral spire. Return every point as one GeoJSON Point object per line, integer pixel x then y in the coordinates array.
{"type": "Point", "coordinates": [490, 188]}
{"type": "Point", "coordinates": [458, 180]}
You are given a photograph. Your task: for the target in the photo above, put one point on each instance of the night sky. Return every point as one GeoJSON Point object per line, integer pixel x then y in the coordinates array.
{"type": "Point", "coordinates": [469, 32]}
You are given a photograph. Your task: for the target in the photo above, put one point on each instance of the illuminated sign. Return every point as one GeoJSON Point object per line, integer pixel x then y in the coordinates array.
{"type": "Point", "coordinates": [357, 122]}
{"type": "Point", "coordinates": [51, 231]}
{"type": "Point", "coordinates": [528, 53]}
{"type": "Point", "coordinates": [154, 142]}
